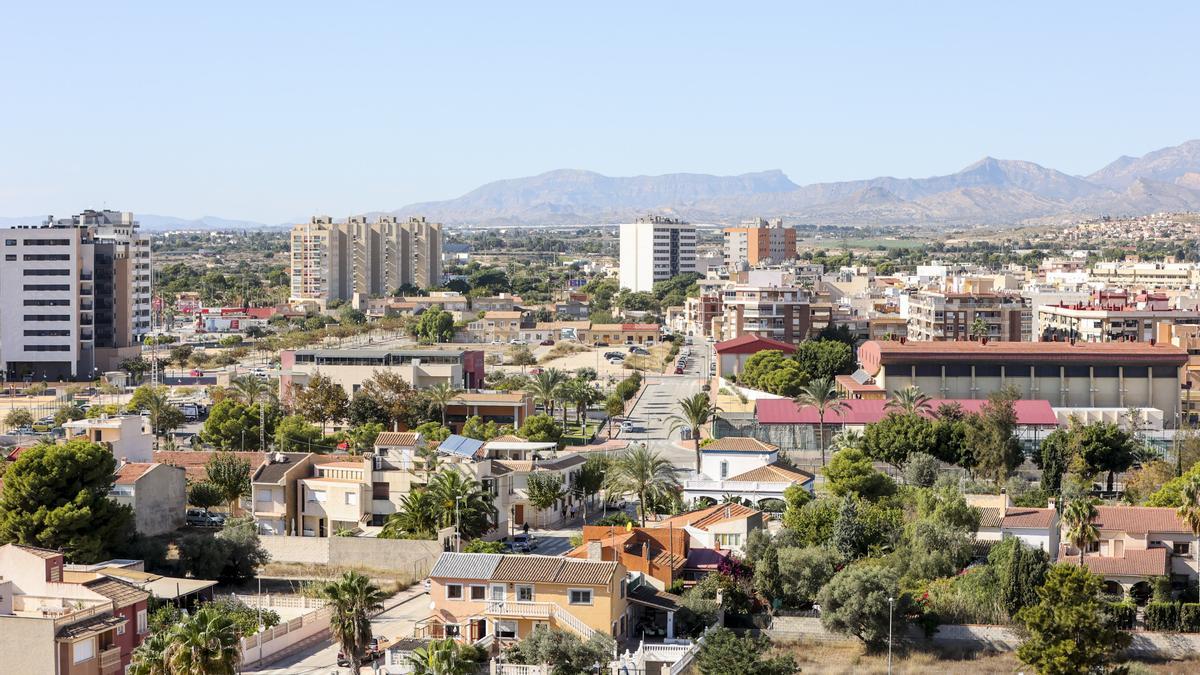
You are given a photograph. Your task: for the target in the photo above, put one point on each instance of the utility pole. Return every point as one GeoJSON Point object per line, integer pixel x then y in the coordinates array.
{"type": "Point", "coordinates": [891, 608]}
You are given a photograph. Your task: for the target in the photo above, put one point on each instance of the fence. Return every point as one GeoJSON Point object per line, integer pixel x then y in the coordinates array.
{"type": "Point", "coordinates": [273, 641]}
{"type": "Point", "coordinates": [289, 600]}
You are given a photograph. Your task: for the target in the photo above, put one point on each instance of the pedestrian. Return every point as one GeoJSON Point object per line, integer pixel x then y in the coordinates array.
{"type": "Point", "coordinates": [525, 528]}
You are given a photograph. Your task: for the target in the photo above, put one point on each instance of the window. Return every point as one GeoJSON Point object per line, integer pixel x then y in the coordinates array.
{"type": "Point", "coordinates": [524, 593]}
{"type": "Point", "coordinates": [351, 499]}
{"type": "Point", "coordinates": [452, 630]}
{"type": "Point", "coordinates": [316, 496]}
{"type": "Point", "coordinates": [479, 593]}
{"type": "Point", "coordinates": [10, 242]}
{"type": "Point", "coordinates": [11, 257]}
{"type": "Point", "coordinates": [506, 629]}
{"type": "Point", "coordinates": [728, 540]}
{"type": "Point", "coordinates": [1092, 547]}
{"type": "Point", "coordinates": [580, 596]}
{"type": "Point", "coordinates": [454, 592]}
{"type": "Point", "coordinates": [83, 650]}
{"type": "Point", "coordinates": [142, 624]}
{"type": "Point", "coordinates": [498, 592]}
{"type": "Point", "coordinates": [263, 495]}
{"type": "Point", "coordinates": [724, 469]}
{"type": "Point", "coordinates": [1183, 548]}
{"type": "Point", "coordinates": [121, 628]}
{"type": "Point", "coordinates": [47, 273]}
{"type": "Point", "coordinates": [623, 584]}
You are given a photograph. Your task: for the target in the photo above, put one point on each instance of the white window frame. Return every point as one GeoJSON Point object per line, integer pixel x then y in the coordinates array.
{"type": "Point", "coordinates": [506, 629]}
{"type": "Point", "coordinates": [497, 597]}
{"type": "Point", "coordinates": [525, 587]}
{"type": "Point", "coordinates": [263, 495]}
{"type": "Point", "coordinates": [143, 624]}
{"type": "Point", "coordinates": [316, 496]}
{"type": "Point", "coordinates": [460, 591]}
{"type": "Point", "coordinates": [482, 592]}
{"type": "Point", "coordinates": [121, 628]}
{"type": "Point", "coordinates": [591, 596]}
{"type": "Point", "coordinates": [75, 650]}
{"type": "Point", "coordinates": [351, 499]}
{"type": "Point", "coordinates": [724, 469]}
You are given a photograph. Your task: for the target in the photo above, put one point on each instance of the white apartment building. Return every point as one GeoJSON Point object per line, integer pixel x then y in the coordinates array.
{"type": "Point", "coordinates": [1164, 275]}
{"type": "Point", "coordinates": [77, 296]}
{"type": "Point", "coordinates": [655, 249]}
{"type": "Point", "coordinates": [333, 261]}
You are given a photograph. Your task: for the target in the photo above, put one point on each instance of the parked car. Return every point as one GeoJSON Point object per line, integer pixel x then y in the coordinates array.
{"type": "Point", "coordinates": [599, 344]}
{"type": "Point", "coordinates": [373, 653]}
{"type": "Point", "coordinates": [202, 518]}
{"type": "Point", "coordinates": [546, 343]}
{"type": "Point", "coordinates": [678, 370]}
{"type": "Point", "coordinates": [517, 341]}
{"type": "Point", "coordinates": [536, 371]}
{"type": "Point", "coordinates": [196, 372]}
{"type": "Point", "coordinates": [614, 355]}
{"type": "Point", "coordinates": [522, 543]}
{"type": "Point", "coordinates": [616, 362]}
{"type": "Point", "coordinates": [629, 427]}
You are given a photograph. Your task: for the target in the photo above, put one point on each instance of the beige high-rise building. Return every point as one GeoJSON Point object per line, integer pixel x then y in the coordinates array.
{"type": "Point", "coordinates": [333, 261]}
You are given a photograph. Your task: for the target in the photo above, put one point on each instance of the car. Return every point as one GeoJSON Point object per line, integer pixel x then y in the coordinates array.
{"type": "Point", "coordinates": [536, 371]}
{"type": "Point", "coordinates": [517, 341]}
{"type": "Point", "coordinates": [547, 343]}
{"type": "Point", "coordinates": [23, 430]}
{"type": "Point", "coordinates": [497, 342]}
{"type": "Point", "coordinates": [196, 372]}
{"type": "Point", "coordinates": [616, 362]}
{"type": "Point", "coordinates": [629, 427]}
{"type": "Point", "coordinates": [373, 653]}
{"type": "Point", "coordinates": [599, 344]}
{"type": "Point", "coordinates": [678, 370]}
{"type": "Point", "coordinates": [614, 355]}
{"type": "Point", "coordinates": [42, 427]}
{"type": "Point", "coordinates": [202, 518]}
{"type": "Point", "coordinates": [639, 350]}
{"type": "Point", "coordinates": [523, 543]}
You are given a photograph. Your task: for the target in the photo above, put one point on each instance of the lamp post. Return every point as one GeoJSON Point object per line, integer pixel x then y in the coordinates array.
{"type": "Point", "coordinates": [457, 526]}
{"type": "Point", "coordinates": [891, 608]}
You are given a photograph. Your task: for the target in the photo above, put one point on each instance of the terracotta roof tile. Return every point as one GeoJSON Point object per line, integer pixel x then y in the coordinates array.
{"type": "Point", "coordinates": [989, 518]}
{"type": "Point", "coordinates": [738, 444]}
{"type": "Point", "coordinates": [749, 343]}
{"type": "Point", "coordinates": [1137, 563]}
{"type": "Point", "coordinates": [123, 593]}
{"type": "Point", "coordinates": [586, 572]}
{"type": "Point", "coordinates": [714, 514]}
{"type": "Point", "coordinates": [1019, 517]}
{"type": "Point", "coordinates": [401, 438]}
{"type": "Point", "coordinates": [193, 461]}
{"type": "Point", "coordinates": [527, 568]}
{"type": "Point", "coordinates": [1139, 519]}
{"type": "Point", "coordinates": [129, 473]}
{"type": "Point", "coordinates": [775, 471]}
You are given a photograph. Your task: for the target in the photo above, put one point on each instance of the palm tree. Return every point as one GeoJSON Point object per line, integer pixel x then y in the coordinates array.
{"type": "Point", "coordinates": [353, 599]}
{"type": "Point", "coordinates": [909, 401]}
{"type": "Point", "coordinates": [150, 657]}
{"type": "Point", "coordinates": [440, 397]}
{"type": "Point", "coordinates": [417, 515]}
{"type": "Point", "coordinates": [1189, 510]}
{"type": "Point", "coordinates": [160, 411]}
{"type": "Point", "coordinates": [582, 394]}
{"type": "Point", "coordinates": [642, 472]}
{"type": "Point", "coordinates": [847, 438]}
{"type": "Point", "coordinates": [545, 388]}
{"type": "Point", "coordinates": [1081, 531]}
{"type": "Point", "coordinates": [206, 644]}
{"type": "Point", "coordinates": [459, 500]}
{"type": "Point", "coordinates": [695, 412]}
{"type": "Point", "coordinates": [248, 389]}
{"type": "Point", "coordinates": [823, 395]}
{"type": "Point", "coordinates": [440, 657]}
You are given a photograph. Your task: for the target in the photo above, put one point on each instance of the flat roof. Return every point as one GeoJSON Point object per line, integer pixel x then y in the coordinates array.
{"type": "Point", "coordinates": [875, 354]}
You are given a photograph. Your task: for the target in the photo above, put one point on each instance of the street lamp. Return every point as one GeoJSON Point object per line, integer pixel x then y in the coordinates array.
{"type": "Point", "coordinates": [457, 526]}
{"type": "Point", "coordinates": [891, 608]}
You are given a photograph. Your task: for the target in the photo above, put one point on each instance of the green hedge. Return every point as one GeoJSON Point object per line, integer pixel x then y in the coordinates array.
{"type": "Point", "coordinates": [1162, 616]}
{"type": "Point", "coordinates": [1189, 617]}
{"type": "Point", "coordinates": [1123, 614]}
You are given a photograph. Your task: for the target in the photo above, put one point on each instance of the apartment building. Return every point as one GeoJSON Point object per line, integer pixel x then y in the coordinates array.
{"type": "Point", "coordinates": [1079, 374]}
{"type": "Point", "coordinates": [495, 326]}
{"type": "Point", "coordinates": [783, 313]}
{"type": "Point", "coordinates": [1186, 337]}
{"type": "Point", "coordinates": [936, 315]}
{"type": "Point", "coordinates": [333, 261]}
{"type": "Point", "coordinates": [77, 296]}
{"type": "Point", "coordinates": [1155, 275]}
{"type": "Point", "coordinates": [759, 242]}
{"type": "Point", "coordinates": [655, 248]}
{"type": "Point", "coordinates": [1136, 543]}
{"type": "Point", "coordinates": [476, 595]}
{"type": "Point", "coordinates": [422, 368]}
{"type": "Point", "coordinates": [1112, 315]}
{"type": "Point", "coordinates": [51, 626]}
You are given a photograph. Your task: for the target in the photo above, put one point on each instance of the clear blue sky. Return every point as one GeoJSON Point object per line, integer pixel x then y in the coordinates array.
{"type": "Point", "coordinates": [270, 111]}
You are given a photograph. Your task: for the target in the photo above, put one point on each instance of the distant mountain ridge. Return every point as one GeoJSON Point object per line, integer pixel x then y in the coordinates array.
{"type": "Point", "coordinates": [990, 191]}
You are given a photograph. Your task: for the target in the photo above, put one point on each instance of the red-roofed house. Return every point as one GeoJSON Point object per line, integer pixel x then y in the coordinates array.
{"type": "Point", "coordinates": [1137, 542]}
{"type": "Point", "coordinates": [733, 354]}
{"type": "Point", "coordinates": [999, 520]}
{"type": "Point", "coordinates": [723, 526]}
{"type": "Point", "coordinates": [745, 467]}
{"type": "Point", "coordinates": [157, 493]}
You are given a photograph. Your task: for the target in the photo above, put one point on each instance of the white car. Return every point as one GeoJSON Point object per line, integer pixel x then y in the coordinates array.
{"type": "Point", "coordinates": [517, 341]}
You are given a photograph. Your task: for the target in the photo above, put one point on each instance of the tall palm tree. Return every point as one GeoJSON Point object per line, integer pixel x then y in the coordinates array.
{"type": "Point", "coordinates": [248, 389]}
{"type": "Point", "coordinates": [459, 500]}
{"type": "Point", "coordinates": [1189, 510]}
{"type": "Point", "coordinates": [440, 397]}
{"type": "Point", "coordinates": [643, 472]}
{"type": "Point", "coordinates": [353, 600]}
{"type": "Point", "coordinates": [1081, 531]}
{"type": "Point", "coordinates": [582, 394]}
{"type": "Point", "coordinates": [695, 412]}
{"type": "Point", "coordinates": [909, 401]}
{"type": "Point", "coordinates": [823, 395]}
{"type": "Point", "coordinates": [440, 657]}
{"type": "Point", "coordinates": [545, 388]}
{"type": "Point", "coordinates": [150, 657]}
{"type": "Point", "coordinates": [417, 515]}
{"type": "Point", "coordinates": [205, 644]}
{"type": "Point", "coordinates": [160, 411]}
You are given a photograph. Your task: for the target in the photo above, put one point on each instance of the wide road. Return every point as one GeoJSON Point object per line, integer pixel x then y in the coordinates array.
{"type": "Point", "coordinates": [658, 403]}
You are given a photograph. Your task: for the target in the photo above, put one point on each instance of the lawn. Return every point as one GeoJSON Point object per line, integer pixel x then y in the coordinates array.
{"type": "Point", "coordinates": [574, 435]}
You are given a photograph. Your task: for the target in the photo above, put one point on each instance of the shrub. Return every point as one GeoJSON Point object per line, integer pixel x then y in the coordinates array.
{"type": "Point", "coordinates": [1163, 616]}
{"type": "Point", "coordinates": [1123, 614]}
{"type": "Point", "coordinates": [921, 470]}
{"type": "Point", "coordinates": [1189, 617]}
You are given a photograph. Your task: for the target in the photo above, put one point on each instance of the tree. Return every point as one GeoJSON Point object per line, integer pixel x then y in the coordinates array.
{"type": "Point", "coordinates": [812, 524]}
{"type": "Point", "coordinates": [1022, 571]}
{"type": "Point", "coordinates": [156, 403]}
{"type": "Point", "coordinates": [481, 546]}
{"type": "Point", "coordinates": [979, 328]}
{"type": "Point", "coordinates": [207, 643]}
{"type": "Point", "coordinates": [909, 401]}
{"type": "Point", "coordinates": [805, 571]}
{"type": "Point", "coordinates": [476, 428]}
{"type": "Point", "coordinates": [563, 652]}
{"type": "Point", "coordinates": [855, 602]}
{"type": "Point", "coordinates": [851, 473]}
{"type": "Point", "coordinates": [614, 406]}
{"type": "Point", "coordinates": [440, 657]}
{"type": "Point", "coordinates": [56, 497]}
{"type": "Point", "coordinates": [824, 359]}
{"type": "Point", "coordinates": [460, 502]}
{"type": "Point", "coordinates": [435, 325]}
{"type": "Point", "coordinates": [695, 413]}
{"type": "Point", "coordinates": [433, 432]}
{"type": "Point", "coordinates": [246, 553]}
{"type": "Point", "coordinates": [135, 367]}
{"type": "Point", "coordinates": [18, 417]}
{"type": "Point", "coordinates": [642, 472]}
{"type": "Point", "coordinates": [417, 516]}
{"type": "Point", "coordinates": [767, 579]}
{"type": "Point", "coordinates": [232, 424]}
{"type": "Point", "coordinates": [362, 439]}
{"type": "Point", "coordinates": [68, 413]}
{"type": "Point", "coordinates": [723, 652]}
{"type": "Point", "coordinates": [365, 410]}
{"type": "Point", "coordinates": [838, 332]}
{"type": "Point", "coordinates": [404, 405]}
{"type": "Point", "coordinates": [540, 429]}
{"type": "Point", "coordinates": [1080, 529]}
{"type": "Point", "coordinates": [921, 470]}
{"type": "Point", "coordinates": [249, 389]}
{"type": "Point", "coordinates": [590, 478]}
{"type": "Point", "coordinates": [897, 436]}
{"type": "Point", "coordinates": [181, 354]}
{"type": "Point", "coordinates": [204, 495]}
{"type": "Point", "coordinates": [1105, 447]}
{"type": "Point", "coordinates": [321, 399]}
{"type": "Point", "coordinates": [822, 395]}
{"type": "Point", "coordinates": [545, 388]}
{"type": "Point", "coordinates": [848, 537]}
{"type": "Point", "coordinates": [990, 435]}
{"type": "Point", "coordinates": [544, 489]}
{"type": "Point", "coordinates": [1189, 510]}
{"type": "Point", "coordinates": [773, 372]}
{"type": "Point", "coordinates": [581, 393]}
{"type": "Point", "coordinates": [1054, 458]}
{"type": "Point", "coordinates": [440, 396]}
{"type": "Point", "coordinates": [1067, 630]}
{"type": "Point", "coordinates": [296, 434]}
{"type": "Point", "coordinates": [353, 599]}
{"type": "Point", "coordinates": [231, 475]}
{"type": "Point", "coordinates": [150, 657]}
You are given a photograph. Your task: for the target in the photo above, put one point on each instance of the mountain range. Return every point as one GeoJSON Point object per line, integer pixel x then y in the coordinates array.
{"type": "Point", "coordinates": [990, 191]}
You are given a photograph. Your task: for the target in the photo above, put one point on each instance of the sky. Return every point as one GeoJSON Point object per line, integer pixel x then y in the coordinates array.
{"type": "Point", "coordinates": [274, 111]}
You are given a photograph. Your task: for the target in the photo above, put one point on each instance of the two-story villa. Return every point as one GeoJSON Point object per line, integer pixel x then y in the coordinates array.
{"type": "Point", "coordinates": [745, 467]}
{"type": "Point", "coordinates": [489, 596]}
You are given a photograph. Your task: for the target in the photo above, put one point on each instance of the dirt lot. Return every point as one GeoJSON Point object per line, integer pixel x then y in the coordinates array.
{"type": "Point", "coordinates": [846, 657]}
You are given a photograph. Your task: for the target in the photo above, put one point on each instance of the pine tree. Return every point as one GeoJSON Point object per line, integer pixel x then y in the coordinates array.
{"type": "Point", "coordinates": [848, 534]}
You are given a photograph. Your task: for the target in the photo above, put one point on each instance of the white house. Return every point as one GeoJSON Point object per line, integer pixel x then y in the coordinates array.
{"type": "Point", "coordinates": [745, 467]}
{"type": "Point", "coordinates": [999, 520]}
{"type": "Point", "coordinates": [127, 436]}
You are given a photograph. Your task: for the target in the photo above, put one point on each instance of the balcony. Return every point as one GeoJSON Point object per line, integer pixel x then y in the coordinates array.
{"type": "Point", "coordinates": [522, 610]}
{"type": "Point", "coordinates": [110, 661]}
{"type": "Point", "coordinates": [85, 276]}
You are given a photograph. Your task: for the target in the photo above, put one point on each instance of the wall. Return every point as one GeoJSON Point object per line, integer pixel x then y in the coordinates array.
{"type": "Point", "coordinates": [383, 554]}
{"type": "Point", "coordinates": [161, 500]}
{"type": "Point", "coordinates": [27, 645]}
{"type": "Point", "coordinates": [271, 642]}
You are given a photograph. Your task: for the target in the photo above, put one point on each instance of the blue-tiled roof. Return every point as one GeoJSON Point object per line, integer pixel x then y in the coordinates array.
{"type": "Point", "coordinates": [460, 445]}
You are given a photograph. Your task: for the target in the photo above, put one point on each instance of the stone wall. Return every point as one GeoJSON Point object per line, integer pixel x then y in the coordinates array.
{"type": "Point", "coordinates": [402, 555]}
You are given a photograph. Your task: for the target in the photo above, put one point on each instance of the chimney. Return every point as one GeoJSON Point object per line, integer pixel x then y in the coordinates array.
{"type": "Point", "coordinates": [1004, 501]}
{"type": "Point", "coordinates": [595, 551]}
